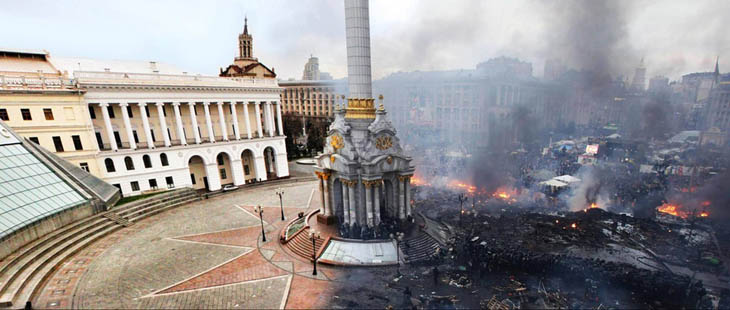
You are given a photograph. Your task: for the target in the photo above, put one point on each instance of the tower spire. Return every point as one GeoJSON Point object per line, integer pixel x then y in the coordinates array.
{"type": "Point", "coordinates": [245, 24]}
{"type": "Point", "coordinates": [717, 69]}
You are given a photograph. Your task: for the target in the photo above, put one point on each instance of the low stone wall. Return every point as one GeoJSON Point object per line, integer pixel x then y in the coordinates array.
{"type": "Point", "coordinates": [42, 227]}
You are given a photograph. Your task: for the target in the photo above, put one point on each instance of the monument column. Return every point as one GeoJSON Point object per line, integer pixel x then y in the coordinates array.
{"type": "Point", "coordinates": [408, 195]}
{"type": "Point", "coordinates": [369, 202]}
{"type": "Point", "coordinates": [353, 202]}
{"type": "Point", "coordinates": [345, 202]}
{"type": "Point", "coordinates": [401, 197]}
{"type": "Point", "coordinates": [327, 203]}
{"type": "Point", "coordinates": [376, 189]}
{"type": "Point", "coordinates": [321, 191]}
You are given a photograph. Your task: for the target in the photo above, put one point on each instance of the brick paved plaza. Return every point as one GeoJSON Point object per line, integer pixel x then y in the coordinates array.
{"type": "Point", "coordinates": [206, 254]}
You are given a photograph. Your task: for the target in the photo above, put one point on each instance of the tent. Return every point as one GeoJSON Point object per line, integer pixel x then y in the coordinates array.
{"type": "Point", "coordinates": [567, 179]}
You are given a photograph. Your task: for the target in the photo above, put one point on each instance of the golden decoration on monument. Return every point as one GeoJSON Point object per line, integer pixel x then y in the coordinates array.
{"type": "Point", "coordinates": [383, 142]}
{"type": "Point", "coordinates": [336, 142]}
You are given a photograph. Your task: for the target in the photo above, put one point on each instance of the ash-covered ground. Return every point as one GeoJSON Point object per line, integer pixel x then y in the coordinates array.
{"type": "Point", "coordinates": [503, 255]}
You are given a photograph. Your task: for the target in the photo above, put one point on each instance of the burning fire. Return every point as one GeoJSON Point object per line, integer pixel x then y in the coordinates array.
{"type": "Point", "coordinates": [574, 225]}
{"type": "Point", "coordinates": [704, 214]}
{"type": "Point", "coordinates": [461, 185]}
{"type": "Point", "coordinates": [506, 194]}
{"type": "Point", "coordinates": [416, 181]}
{"type": "Point", "coordinates": [672, 209]}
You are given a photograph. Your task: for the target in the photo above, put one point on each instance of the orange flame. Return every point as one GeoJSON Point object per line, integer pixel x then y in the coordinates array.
{"type": "Point", "coordinates": [672, 209]}
{"type": "Point", "coordinates": [574, 225]}
{"type": "Point", "coordinates": [505, 193]}
{"type": "Point", "coordinates": [461, 185]}
{"type": "Point", "coordinates": [704, 214]}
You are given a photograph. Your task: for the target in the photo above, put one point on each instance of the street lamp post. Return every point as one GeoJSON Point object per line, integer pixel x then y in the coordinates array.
{"type": "Point", "coordinates": [462, 198]}
{"type": "Point", "coordinates": [314, 235]}
{"type": "Point", "coordinates": [260, 211]}
{"type": "Point", "coordinates": [398, 237]}
{"type": "Point", "coordinates": [280, 192]}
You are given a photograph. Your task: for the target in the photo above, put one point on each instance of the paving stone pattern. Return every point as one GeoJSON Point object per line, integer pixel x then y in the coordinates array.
{"type": "Point", "coordinates": [206, 254]}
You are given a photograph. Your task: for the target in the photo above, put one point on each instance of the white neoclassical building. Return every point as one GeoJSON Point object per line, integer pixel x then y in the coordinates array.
{"type": "Point", "coordinates": [158, 131]}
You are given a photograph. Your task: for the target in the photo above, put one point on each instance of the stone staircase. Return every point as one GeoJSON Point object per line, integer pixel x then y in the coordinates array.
{"type": "Point", "coordinates": [23, 273]}
{"type": "Point", "coordinates": [419, 248]}
{"type": "Point", "coordinates": [301, 244]}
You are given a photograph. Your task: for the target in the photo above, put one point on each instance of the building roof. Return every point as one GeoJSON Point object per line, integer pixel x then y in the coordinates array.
{"type": "Point", "coordinates": [33, 187]}
{"type": "Point", "coordinates": [23, 51]}
{"type": "Point", "coordinates": [73, 64]}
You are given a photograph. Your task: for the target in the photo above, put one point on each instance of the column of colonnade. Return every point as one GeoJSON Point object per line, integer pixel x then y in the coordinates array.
{"type": "Point", "coordinates": [271, 119]}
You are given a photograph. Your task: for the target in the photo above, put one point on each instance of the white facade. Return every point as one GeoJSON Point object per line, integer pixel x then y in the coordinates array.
{"type": "Point", "coordinates": [191, 119]}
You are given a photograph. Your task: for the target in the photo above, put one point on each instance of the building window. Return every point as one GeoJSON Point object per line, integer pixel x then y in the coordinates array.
{"type": "Point", "coordinates": [58, 144]}
{"type": "Point", "coordinates": [109, 163]}
{"type": "Point", "coordinates": [111, 111]}
{"type": "Point", "coordinates": [153, 183]}
{"type": "Point", "coordinates": [34, 140]}
{"type": "Point", "coordinates": [147, 161]}
{"type": "Point", "coordinates": [84, 166]}
{"type": "Point", "coordinates": [26, 114]}
{"type": "Point", "coordinates": [48, 113]}
{"type": "Point", "coordinates": [152, 134]}
{"type": "Point", "coordinates": [134, 135]}
{"type": "Point", "coordinates": [223, 174]}
{"type": "Point", "coordinates": [164, 111]}
{"type": "Point", "coordinates": [163, 159]}
{"type": "Point", "coordinates": [118, 139]}
{"type": "Point", "coordinates": [99, 140]}
{"type": "Point", "coordinates": [129, 163]}
{"type": "Point", "coordinates": [92, 113]}
{"type": "Point", "coordinates": [220, 159]}
{"type": "Point", "coordinates": [77, 142]}
{"type": "Point", "coordinates": [147, 110]}
{"type": "Point", "coordinates": [246, 171]}
{"type": "Point", "coordinates": [135, 186]}
{"type": "Point", "coordinates": [192, 178]}
{"type": "Point", "coordinates": [4, 114]}
{"type": "Point", "coordinates": [129, 112]}
{"type": "Point", "coordinates": [170, 183]}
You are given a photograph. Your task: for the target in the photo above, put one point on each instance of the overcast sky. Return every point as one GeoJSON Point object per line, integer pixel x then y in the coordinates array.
{"type": "Point", "coordinates": [675, 37]}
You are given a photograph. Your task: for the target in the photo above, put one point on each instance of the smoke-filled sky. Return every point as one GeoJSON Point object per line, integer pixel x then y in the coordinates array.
{"type": "Point", "coordinates": [675, 37]}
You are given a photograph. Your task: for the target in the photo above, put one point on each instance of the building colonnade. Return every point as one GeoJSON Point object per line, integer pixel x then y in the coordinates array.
{"type": "Point", "coordinates": [272, 122]}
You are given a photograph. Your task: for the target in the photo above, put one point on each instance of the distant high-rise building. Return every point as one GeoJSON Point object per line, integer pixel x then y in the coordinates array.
{"type": "Point", "coordinates": [311, 69]}
{"type": "Point", "coordinates": [639, 81]}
